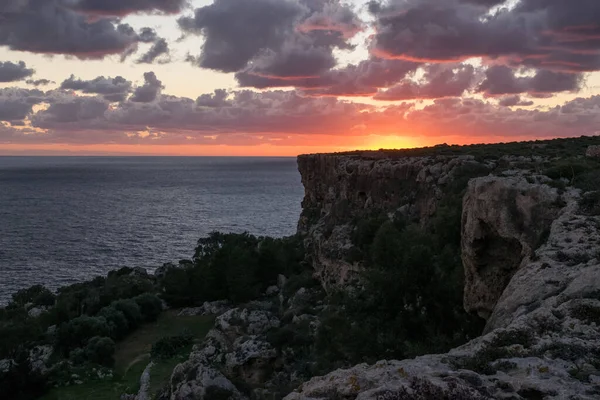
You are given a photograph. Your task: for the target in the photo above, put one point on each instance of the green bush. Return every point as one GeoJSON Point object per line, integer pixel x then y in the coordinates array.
{"type": "Point", "coordinates": [37, 295]}
{"type": "Point", "coordinates": [236, 267]}
{"type": "Point", "coordinates": [117, 322]}
{"type": "Point", "coordinates": [131, 310]}
{"type": "Point", "coordinates": [168, 346]}
{"type": "Point", "coordinates": [100, 350]}
{"type": "Point", "coordinates": [77, 332]}
{"type": "Point", "coordinates": [150, 306]}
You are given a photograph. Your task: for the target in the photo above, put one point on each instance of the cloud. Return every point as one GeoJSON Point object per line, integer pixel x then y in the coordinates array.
{"type": "Point", "coordinates": [149, 91]}
{"type": "Point", "coordinates": [511, 101]}
{"type": "Point", "coordinates": [282, 117]}
{"type": "Point", "coordinates": [552, 35]}
{"type": "Point", "coordinates": [39, 82]}
{"type": "Point", "coordinates": [439, 81]}
{"type": "Point", "coordinates": [502, 80]}
{"type": "Point", "coordinates": [11, 72]}
{"type": "Point", "coordinates": [112, 89]}
{"type": "Point", "coordinates": [125, 7]}
{"type": "Point", "coordinates": [86, 29]}
{"type": "Point", "coordinates": [17, 104]}
{"type": "Point", "coordinates": [158, 49]}
{"type": "Point", "coordinates": [267, 42]}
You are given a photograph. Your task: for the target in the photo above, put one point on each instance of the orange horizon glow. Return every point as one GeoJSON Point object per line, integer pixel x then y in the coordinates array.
{"type": "Point", "coordinates": [370, 142]}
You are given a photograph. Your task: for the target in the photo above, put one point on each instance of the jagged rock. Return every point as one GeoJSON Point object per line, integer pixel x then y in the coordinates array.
{"type": "Point", "coordinates": [35, 312]}
{"type": "Point", "coordinates": [139, 271]}
{"type": "Point", "coordinates": [199, 382]}
{"type": "Point", "coordinates": [6, 364]}
{"type": "Point", "coordinates": [272, 290]}
{"type": "Point", "coordinates": [593, 151]}
{"type": "Point", "coordinates": [542, 341]}
{"type": "Point", "coordinates": [39, 357]}
{"type": "Point", "coordinates": [208, 308]}
{"type": "Point", "coordinates": [504, 220]}
{"type": "Point", "coordinates": [250, 359]}
{"type": "Point", "coordinates": [239, 321]}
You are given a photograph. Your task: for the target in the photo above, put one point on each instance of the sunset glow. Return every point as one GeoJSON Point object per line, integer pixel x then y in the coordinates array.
{"type": "Point", "coordinates": [225, 77]}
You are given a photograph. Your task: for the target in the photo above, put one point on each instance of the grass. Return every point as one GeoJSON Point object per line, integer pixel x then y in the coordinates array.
{"type": "Point", "coordinates": [131, 357]}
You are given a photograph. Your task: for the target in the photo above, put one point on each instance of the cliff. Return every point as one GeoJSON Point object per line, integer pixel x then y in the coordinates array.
{"type": "Point", "coordinates": [528, 223]}
{"type": "Point", "coordinates": [343, 189]}
{"type": "Point", "coordinates": [531, 253]}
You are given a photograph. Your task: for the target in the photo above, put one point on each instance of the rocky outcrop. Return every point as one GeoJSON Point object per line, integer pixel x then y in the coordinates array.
{"type": "Point", "coordinates": [504, 220]}
{"type": "Point", "coordinates": [543, 339]}
{"type": "Point", "coordinates": [341, 189]}
{"type": "Point", "coordinates": [235, 348]}
{"type": "Point", "coordinates": [593, 152]}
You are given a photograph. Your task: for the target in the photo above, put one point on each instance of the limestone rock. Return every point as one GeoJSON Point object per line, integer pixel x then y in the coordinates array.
{"type": "Point", "coordinates": [593, 151]}
{"type": "Point", "coordinates": [542, 340]}
{"type": "Point", "coordinates": [504, 220]}
{"type": "Point", "coordinates": [208, 308]}
{"type": "Point", "coordinates": [342, 188]}
{"type": "Point", "coordinates": [237, 322]}
{"type": "Point", "coordinates": [199, 382]}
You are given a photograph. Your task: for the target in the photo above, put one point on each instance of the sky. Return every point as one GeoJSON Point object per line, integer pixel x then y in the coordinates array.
{"type": "Point", "coordinates": [285, 77]}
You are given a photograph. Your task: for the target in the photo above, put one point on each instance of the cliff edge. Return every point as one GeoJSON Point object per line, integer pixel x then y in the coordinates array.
{"type": "Point", "coordinates": [531, 252]}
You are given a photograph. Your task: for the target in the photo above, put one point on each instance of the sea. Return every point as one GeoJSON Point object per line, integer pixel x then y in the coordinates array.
{"type": "Point", "coordinates": [68, 219]}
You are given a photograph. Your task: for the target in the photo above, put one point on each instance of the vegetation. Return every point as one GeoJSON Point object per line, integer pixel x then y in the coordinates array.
{"type": "Point", "coordinates": [237, 267]}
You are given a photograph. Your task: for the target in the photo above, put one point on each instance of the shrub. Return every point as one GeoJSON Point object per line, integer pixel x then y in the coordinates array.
{"type": "Point", "coordinates": [150, 306]}
{"type": "Point", "coordinates": [77, 332]}
{"type": "Point", "coordinates": [237, 267]}
{"type": "Point", "coordinates": [38, 295]}
{"type": "Point", "coordinates": [116, 321]}
{"type": "Point", "coordinates": [168, 346]}
{"type": "Point", "coordinates": [131, 310]}
{"type": "Point", "coordinates": [100, 350]}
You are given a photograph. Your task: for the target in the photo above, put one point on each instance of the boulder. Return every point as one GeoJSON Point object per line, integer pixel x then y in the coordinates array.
{"type": "Point", "coordinates": [593, 152]}
{"type": "Point", "coordinates": [504, 220]}
{"type": "Point", "coordinates": [208, 308]}
{"type": "Point", "coordinates": [201, 382]}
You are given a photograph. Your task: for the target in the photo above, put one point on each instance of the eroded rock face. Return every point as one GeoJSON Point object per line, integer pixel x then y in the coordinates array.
{"type": "Point", "coordinates": [504, 220]}
{"type": "Point", "coordinates": [235, 347]}
{"type": "Point", "coordinates": [341, 189]}
{"type": "Point", "coordinates": [542, 340]}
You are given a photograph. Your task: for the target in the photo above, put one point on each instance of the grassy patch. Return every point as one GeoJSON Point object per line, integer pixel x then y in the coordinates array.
{"type": "Point", "coordinates": [133, 354]}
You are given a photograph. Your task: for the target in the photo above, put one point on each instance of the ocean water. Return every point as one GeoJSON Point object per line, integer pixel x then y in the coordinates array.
{"type": "Point", "coordinates": [67, 219]}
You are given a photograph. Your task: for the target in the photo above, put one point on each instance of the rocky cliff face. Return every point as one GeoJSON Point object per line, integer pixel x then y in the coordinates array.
{"type": "Point", "coordinates": [340, 190]}
{"type": "Point", "coordinates": [532, 266]}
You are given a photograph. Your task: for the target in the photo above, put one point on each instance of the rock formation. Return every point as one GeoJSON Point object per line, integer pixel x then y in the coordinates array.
{"type": "Point", "coordinates": [543, 339]}
{"type": "Point", "coordinates": [504, 221]}
{"type": "Point", "coordinates": [340, 189]}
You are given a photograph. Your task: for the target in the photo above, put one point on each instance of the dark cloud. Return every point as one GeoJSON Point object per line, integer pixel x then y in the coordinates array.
{"type": "Point", "coordinates": [553, 35]}
{"type": "Point", "coordinates": [502, 80]}
{"type": "Point", "coordinates": [439, 81]}
{"type": "Point", "coordinates": [39, 82]}
{"type": "Point", "coordinates": [511, 101]}
{"type": "Point", "coordinates": [47, 26]}
{"type": "Point", "coordinates": [76, 110]}
{"type": "Point", "coordinates": [158, 49]}
{"type": "Point", "coordinates": [125, 7]}
{"type": "Point", "coordinates": [11, 72]}
{"type": "Point", "coordinates": [214, 100]}
{"type": "Point", "coordinates": [17, 104]}
{"type": "Point", "coordinates": [113, 89]}
{"type": "Point", "coordinates": [267, 42]}
{"type": "Point", "coordinates": [79, 28]}
{"type": "Point", "coordinates": [149, 91]}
